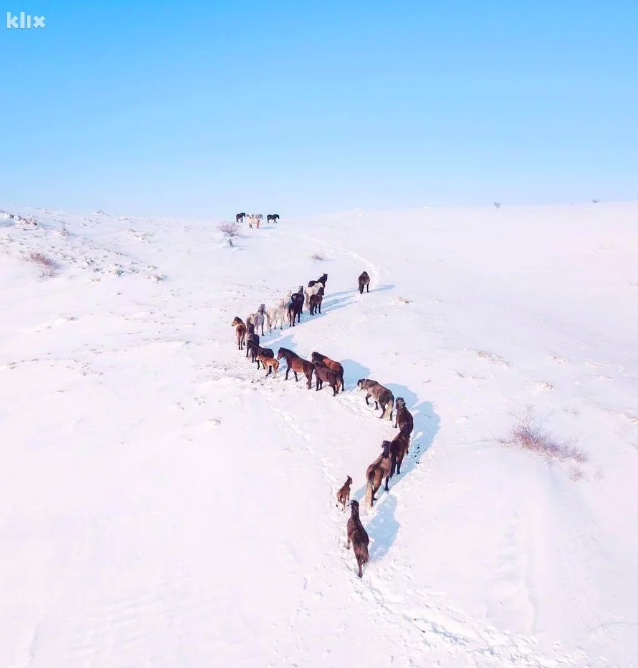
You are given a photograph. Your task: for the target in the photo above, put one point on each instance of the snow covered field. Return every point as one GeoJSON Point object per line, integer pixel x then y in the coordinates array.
{"type": "Point", "coordinates": [164, 504]}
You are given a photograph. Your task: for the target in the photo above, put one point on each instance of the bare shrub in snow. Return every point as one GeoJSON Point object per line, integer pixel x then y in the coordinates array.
{"type": "Point", "coordinates": [497, 205]}
{"type": "Point", "coordinates": [529, 435]}
{"type": "Point", "coordinates": [317, 257]}
{"type": "Point", "coordinates": [595, 201]}
{"type": "Point", "coordinates": [230, 231]}
{"type": "Point", "coordinates": [48, 267]}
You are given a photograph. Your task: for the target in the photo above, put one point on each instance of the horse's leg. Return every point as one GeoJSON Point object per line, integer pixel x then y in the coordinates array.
{"type": "Point", "coordinates": [386, 483]}
{"type": "Point", "coordinates": [287, 372]}
{"type": "Point", "coordinates": [296, 376]}
{"type": "Point", "coordinates": [367, 397]}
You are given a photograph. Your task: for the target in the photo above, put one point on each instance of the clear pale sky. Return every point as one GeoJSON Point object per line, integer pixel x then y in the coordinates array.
{"type": "Point", "coordinates": [208, 108]}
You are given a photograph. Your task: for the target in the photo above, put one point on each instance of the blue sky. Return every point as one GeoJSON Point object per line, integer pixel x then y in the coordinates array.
{"type": "Point", "coordinates": [208, 108]}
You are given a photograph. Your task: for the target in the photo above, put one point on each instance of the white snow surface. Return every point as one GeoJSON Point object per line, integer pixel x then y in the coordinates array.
{"type": "Point", "coordinates": [162, 503]}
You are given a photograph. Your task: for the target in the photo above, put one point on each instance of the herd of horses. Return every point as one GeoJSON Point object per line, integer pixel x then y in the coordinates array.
{"type": "Point", "coordinates": [256, 218]}
{"type": "Point", "coordinates": [329, 371]}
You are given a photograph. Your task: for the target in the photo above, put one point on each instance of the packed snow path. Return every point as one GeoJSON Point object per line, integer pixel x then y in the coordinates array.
{"type": "Point", "coordinates": [163, 503]}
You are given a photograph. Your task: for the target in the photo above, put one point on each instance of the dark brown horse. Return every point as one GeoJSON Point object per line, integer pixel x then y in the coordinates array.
{"type": "Point", "coordinates": [325, 375]}
{"type": "Point", "coordinates": [364, 282]}
{"type": "Point", "coordinates": [240, 217]}
{"type": "Point", "coordinates": [295, 307]}
{"type": "Point", "coordinates": [323, 279]}
{"type": "Point", "coordinates": [331, 364]}
{"type": "Point", "coordinates": [376, 472]}
{"type": "Point", "coordinates": [240, 332]}
{"type": "Point", "coordinates": [315, 302]}
{"type": "Point", "coordinates": [296, 364]}
{"type": "Point", "coordinates": [403, 420]}
{"type": "Point", "coordinates": [272, 216]}
{"type": "Point", "coordinates": [253, 342]}
{"type": "Point", "coordinates": [398, 450]}
{"type": "Point", "coordinates": [358, 536]}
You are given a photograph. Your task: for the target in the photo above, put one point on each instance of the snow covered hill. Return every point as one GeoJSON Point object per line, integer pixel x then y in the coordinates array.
{"type": "Point", "coordinates": [162, 503]}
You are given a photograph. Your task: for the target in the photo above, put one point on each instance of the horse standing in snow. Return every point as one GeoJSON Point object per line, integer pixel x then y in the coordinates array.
{"type": "Point", "coordinates": [258, 318]}
{"type": "Point", "coordinates": [324, 374]}
{"type": "Point", "coordinates": [343, 495]}
{"type": "Point", "coordinates": [268, 362]}
{"type": "Point", "coordinates": [259, 352]}
{"type": "Point", "coordinates": [398, 450]}
{"type": "Point", "coordinates": [296, 364]}
{"type": "Point", "coordinates": [253, 341]}
{"type": "Point", "coordinates": [274, 315]}
{"type": "Point", "coordinates": [403, 419]}
{"type": "Point", "coordinates": [240, 332]}
{"type": "Point", "coordinates": [358, 536]}
{"type": "Point", "coordinates": [295, 307]}
{"type": "Point", "coordinates": [381, 395]}
{"type": "Point", "coordinates": [376, 472]}
{"type": "Point", "coordinates": [331, 364]}
{"type": "Point", "coordinates": [239, 218]}
{"type": "Point", "coordinates": [364, 282]}
{"type": "Point", "coordinates": [315, 302]}
{"type": "Point", "coordinates": [314, 287]}
{"type": "Point", "coordinates": [272, 216]}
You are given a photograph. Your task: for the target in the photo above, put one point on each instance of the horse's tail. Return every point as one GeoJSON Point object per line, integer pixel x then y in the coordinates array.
{"type": "Point", "coordinates": [341, 380]}
{"type": "Point", "coordinates": [369, 489]}
{"type": "Point", "coordinates": [393, 467]}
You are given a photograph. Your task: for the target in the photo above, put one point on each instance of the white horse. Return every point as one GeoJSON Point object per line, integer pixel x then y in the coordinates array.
{"type": "Point", "coordinates": [276, 315]}
{"type": "Point", "coordinates": [286, 300]}
{"type": "Point", "coordinates": [258, 319]}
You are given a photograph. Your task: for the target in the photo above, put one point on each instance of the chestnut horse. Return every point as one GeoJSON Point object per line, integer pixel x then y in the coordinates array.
{"type": "Point", "coordinates": [240, 332]}
{"type": "Point", "coordinates": [331, 364]}
{"type": "Point", "coordinates": [296, 364]}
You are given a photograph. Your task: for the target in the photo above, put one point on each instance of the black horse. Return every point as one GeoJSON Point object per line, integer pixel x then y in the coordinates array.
{"type": "Point", "coordinates": [295, 308]}
{"type": "Point", "coordinates": [240, 217]}
{"type": "Point", "coordinates": [322, 279]}
{"type": "Point", "coordinates": [272, 216]}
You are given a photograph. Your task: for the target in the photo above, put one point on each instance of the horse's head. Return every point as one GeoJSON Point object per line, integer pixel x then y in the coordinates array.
{"type": "Point", "coordinates": [354, 505]}
{"type": "Point", "coordinates": [361, 383]}
{"type": "Point", "coordinates": [349, 481]}
{"type": "Point", "coordinates": [237, 321]}
{"type": "Point", "coordinates": [386, 448]}
{"type": "Point", "coordinates": [400, 402]}
{"type": "Point", "coordinates": [280, 353]}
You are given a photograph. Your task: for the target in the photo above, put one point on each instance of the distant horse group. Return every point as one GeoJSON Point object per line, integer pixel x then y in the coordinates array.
{"type": "Point", "coordinates": [331, 372]}
{"type": "Point", "coordinates": [256, 218]}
